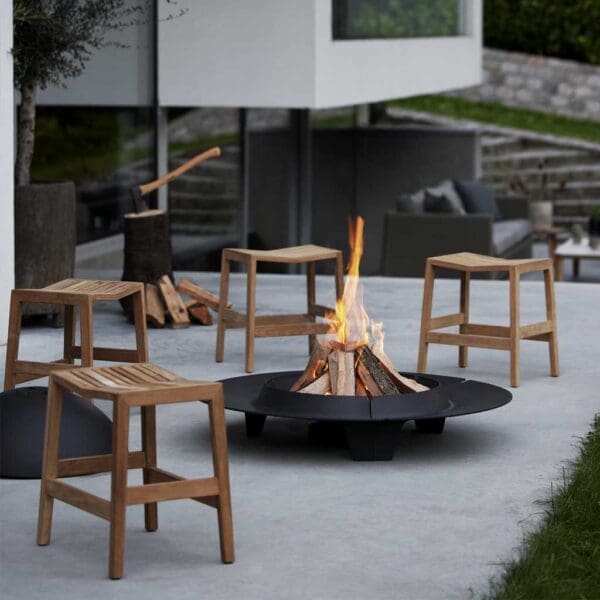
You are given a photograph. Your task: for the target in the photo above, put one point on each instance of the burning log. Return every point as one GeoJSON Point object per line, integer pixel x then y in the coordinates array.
{"type": "Point", "coordinates": [350, 365]}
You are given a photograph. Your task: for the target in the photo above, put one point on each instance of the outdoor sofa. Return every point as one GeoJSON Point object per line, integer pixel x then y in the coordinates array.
{"type": "Point", "coordinates": [453, 216]}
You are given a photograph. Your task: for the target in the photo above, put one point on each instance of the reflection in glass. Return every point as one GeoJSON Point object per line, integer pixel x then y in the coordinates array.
{"type": "Point", "coordinates": [364, 19]}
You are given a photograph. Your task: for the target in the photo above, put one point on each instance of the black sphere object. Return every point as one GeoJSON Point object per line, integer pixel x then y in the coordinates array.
{"type": "Point", "coordinates": [84, 430]}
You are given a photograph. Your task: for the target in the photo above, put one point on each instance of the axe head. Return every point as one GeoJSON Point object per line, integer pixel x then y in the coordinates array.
{"type": "Point", "coordinates": [139, 204]}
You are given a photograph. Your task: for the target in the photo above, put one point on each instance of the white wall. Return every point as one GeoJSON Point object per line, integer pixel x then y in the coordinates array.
{"type": "Point", "coordinates": [232, 53]}
{"type": "Point", "coordinates": [270, 53]}
{"type": "Point", "coordinates": [360, 71]}
{"type": "Point", "coordinates": [6, 165]}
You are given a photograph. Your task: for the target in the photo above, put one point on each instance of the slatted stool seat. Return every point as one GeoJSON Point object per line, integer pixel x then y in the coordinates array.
{"type": "Point", "coordinates": [274, 325]}
{"type": "Point", "coordinates": [488, 336]}
{"type": "Point", "coordinates": [74, 294]}
{"type": "Point", "coordinates": [141, 385]}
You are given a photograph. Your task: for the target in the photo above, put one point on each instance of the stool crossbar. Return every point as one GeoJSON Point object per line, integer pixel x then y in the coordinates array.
{"type": "Point", "coordinates": [138, 385]}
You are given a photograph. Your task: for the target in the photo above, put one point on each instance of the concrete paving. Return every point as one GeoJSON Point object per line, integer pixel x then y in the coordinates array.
{"type": "Point", "coordinates": [435, 523]}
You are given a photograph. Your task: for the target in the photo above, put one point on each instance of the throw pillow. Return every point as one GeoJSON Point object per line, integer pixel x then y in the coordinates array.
{"type": "Point", "coordinates": [438, 204]}
{"type": "Point", "coordinates": [446, 188]}
{"type": "Point", "coordinates": [478, 198]}
{"type": "Point", "coordinates": [408, 204]}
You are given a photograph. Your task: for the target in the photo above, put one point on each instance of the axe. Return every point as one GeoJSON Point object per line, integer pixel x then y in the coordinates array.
{"type": "Point", "coordinates": [139, 191]}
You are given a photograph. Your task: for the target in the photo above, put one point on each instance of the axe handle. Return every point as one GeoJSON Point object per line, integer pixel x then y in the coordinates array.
{"type": "Point", "coordinates": [153, 185]}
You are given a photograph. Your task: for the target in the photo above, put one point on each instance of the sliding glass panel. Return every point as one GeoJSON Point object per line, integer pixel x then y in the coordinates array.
{"type": "Point", "coordinates": [370, 19]}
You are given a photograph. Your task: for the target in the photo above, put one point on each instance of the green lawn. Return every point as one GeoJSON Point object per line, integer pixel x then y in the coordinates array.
{"type": "Point", "coordinates": [498, 114]}
{"type": "Point", "coordinates": [561, 560]}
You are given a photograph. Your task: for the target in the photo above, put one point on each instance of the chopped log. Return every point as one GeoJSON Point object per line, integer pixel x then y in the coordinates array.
{"type": "Point", "coordinates": [147, 250]}
{"type": "Point", "coordinates": [361, 390]}
{"type": "Point", "coordinates": [185, 286]}
{"type": "Point", "coordinates": [379, 374]}
{"type": "Point", "coordinates": [341, 372]}
{"type": "Point", "coordinates": [346, 346]}
{"type": "Point", "coordinates": [155, 307]}
{"type": "Point", "coordinates": [404, 384]}
{"type": "Point", "coordinates": [368, 382]}
{"type": "Point", "coordinates": [198, 313]}
{"type": "Point", "coordinates": [321, 385]}
{"type": "Point", "coordinates": [175, 306]}
{"type": "Point", "coordinates": [315, 367]}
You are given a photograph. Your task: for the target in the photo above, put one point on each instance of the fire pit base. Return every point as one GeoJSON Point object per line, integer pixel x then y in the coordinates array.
{"type": "Point", "coordinates": [371, 428]}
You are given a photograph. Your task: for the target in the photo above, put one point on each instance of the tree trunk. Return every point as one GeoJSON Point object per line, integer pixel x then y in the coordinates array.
{"type": "Point", "coordinates": [25, 133]}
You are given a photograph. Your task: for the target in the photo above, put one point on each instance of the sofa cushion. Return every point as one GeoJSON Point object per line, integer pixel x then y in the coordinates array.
{"type": "Point", "coordinates": [438, 204]}
{"type": "Point", "coordinates": [410, 204]}
{"type": "Point", "coordinates": [506, 234]}
{"type": "Point", "coordinates": [478, 198]}
{"type": "Point", "coordinates": [447, 188]}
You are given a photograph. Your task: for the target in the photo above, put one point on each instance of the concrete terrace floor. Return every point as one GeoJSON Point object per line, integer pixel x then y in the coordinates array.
{"type": "Point", "coordinates": [435, 523]}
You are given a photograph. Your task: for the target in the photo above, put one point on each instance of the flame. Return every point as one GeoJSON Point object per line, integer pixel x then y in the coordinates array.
{"type": "Point", "coordinates": [350, 322]}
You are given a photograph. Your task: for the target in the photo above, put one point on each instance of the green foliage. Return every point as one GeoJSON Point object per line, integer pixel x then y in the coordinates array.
{"type": "Point", "coordinates": [561, 560]}
{"type": "Point", "coordinates": [355, 19]}
{"type": "Point", "coordinates": [498, 114]}
{"type": "Point", "coordinates": [563, 29]}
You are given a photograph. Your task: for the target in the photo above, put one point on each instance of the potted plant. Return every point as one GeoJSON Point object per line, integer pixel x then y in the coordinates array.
{"type": "Point", "coordinates": [53, 40]}
{"type": "Point", "coordinates": [541, 196]}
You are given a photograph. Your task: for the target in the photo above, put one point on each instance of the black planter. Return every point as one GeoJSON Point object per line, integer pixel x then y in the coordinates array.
{"type": "Point", "coordinates": [44, 236]}
{"type": "Point", "coordinates": [594, 228]}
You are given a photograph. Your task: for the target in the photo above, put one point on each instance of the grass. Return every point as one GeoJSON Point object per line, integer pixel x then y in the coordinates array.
{"type": "Point", "coordinates": [498, 114]}
{"type": "Point", "coordinates": [561, 560]}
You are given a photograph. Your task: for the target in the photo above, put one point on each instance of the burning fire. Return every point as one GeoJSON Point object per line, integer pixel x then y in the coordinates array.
{"type": "Point", "coordinates": [350, 322]}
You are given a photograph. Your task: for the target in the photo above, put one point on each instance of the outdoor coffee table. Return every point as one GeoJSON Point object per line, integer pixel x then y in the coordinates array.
{"type": "Point", "coordinates": [577, 252]}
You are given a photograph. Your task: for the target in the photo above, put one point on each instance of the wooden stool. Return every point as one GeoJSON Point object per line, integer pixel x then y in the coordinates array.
{"type": "Point", "coordinates": [144, 385]}
{"type": "Point", "coordinates": [488, 336]}
{"type": "Point", "coordinates": [74, 293]}
{"type": "Point", "coordinates": [275, 325]}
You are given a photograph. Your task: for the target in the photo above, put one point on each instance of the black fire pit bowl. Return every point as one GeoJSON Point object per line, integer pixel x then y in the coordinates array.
{"type": "Point", "coordinates": [371, 427]}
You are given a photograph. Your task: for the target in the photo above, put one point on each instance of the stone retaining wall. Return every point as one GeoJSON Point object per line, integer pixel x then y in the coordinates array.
{"type": "Point", "coordinates": [553, 85]}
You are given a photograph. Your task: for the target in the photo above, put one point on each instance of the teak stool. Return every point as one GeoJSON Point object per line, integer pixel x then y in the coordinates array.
{"type": "Point", "coordinates": [488, 336]}
{"type": "Point", "coordinates": [274, 325]}
{"type": "Point", "coordinates": [144, 385]}
{"type": "Point", "coordinates": [74, 293]}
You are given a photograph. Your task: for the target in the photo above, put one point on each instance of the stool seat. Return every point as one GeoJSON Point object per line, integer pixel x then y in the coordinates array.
{"type": "Point", "coordinates": [144, 385]}
{"type": "Point", "coordinates": [75, 295]}
{"type": "Point", "coordinates": [479, 263]}
{"type": "Point", "coordinates": [275, 325]}
{"type": "Point", "coordinates": [96, 289]}
{"type": "Point", "coordinates": [291, 255]}
{"type": "Point", "coordinates": [480, 335]}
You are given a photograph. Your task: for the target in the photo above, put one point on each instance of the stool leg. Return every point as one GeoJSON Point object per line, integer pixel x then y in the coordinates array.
{"type": "Point", "coordinates": [50, 461]}
{"type": "Point", "coordinates": [120, 432]}
{"type": "Point", "coordinates": [426, 316]}
{"type": "Point", "coordinates": [515, 328]}
{"type": "Point", "coordinates": [69, 336]}
{"type": "Point", "coordinates": [465, 285]}
{"type": "Point", "coordinates": [14, 333]}
{"type": "Point", "coordinates": [218, 434]}
{"type": "Point", "coordinates": [86, 324]}
{"type": "Point", "coordinates": [139, 321]}
{"type": "Point", "coordinates": [223, 293]}
{"type": "Point", "coordinates": [311, 299]}
{"type": "Point", "coordinates": [149, 449]}
{"type": "Point", "coordinates": [250, 314]}
{"type": "Point", "coordinates": [551, 316]}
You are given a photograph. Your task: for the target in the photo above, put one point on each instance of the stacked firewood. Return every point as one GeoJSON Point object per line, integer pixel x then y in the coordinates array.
{"type": "Point", "coordinates": [165, 304]}
{"type": "Point", "coordinates": [352, 370]}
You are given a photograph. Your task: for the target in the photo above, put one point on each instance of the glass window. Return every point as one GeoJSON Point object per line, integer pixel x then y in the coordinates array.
{"type": "Point", "coordinates": [368, 19]}
{"type": "Point", "coordinates": [105, 151]}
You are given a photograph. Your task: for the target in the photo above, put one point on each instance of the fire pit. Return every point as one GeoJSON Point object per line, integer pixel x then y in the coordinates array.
{"type": "Point", "coordinates": [371, 428]}
{"type": "Point", "coordinates": [351, 381]}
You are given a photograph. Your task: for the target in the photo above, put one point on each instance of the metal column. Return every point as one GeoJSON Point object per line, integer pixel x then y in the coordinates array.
{"type": "Point", "coordinates": [244, 192]}
{"type": "Point", "coordinates": [300, 201]}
